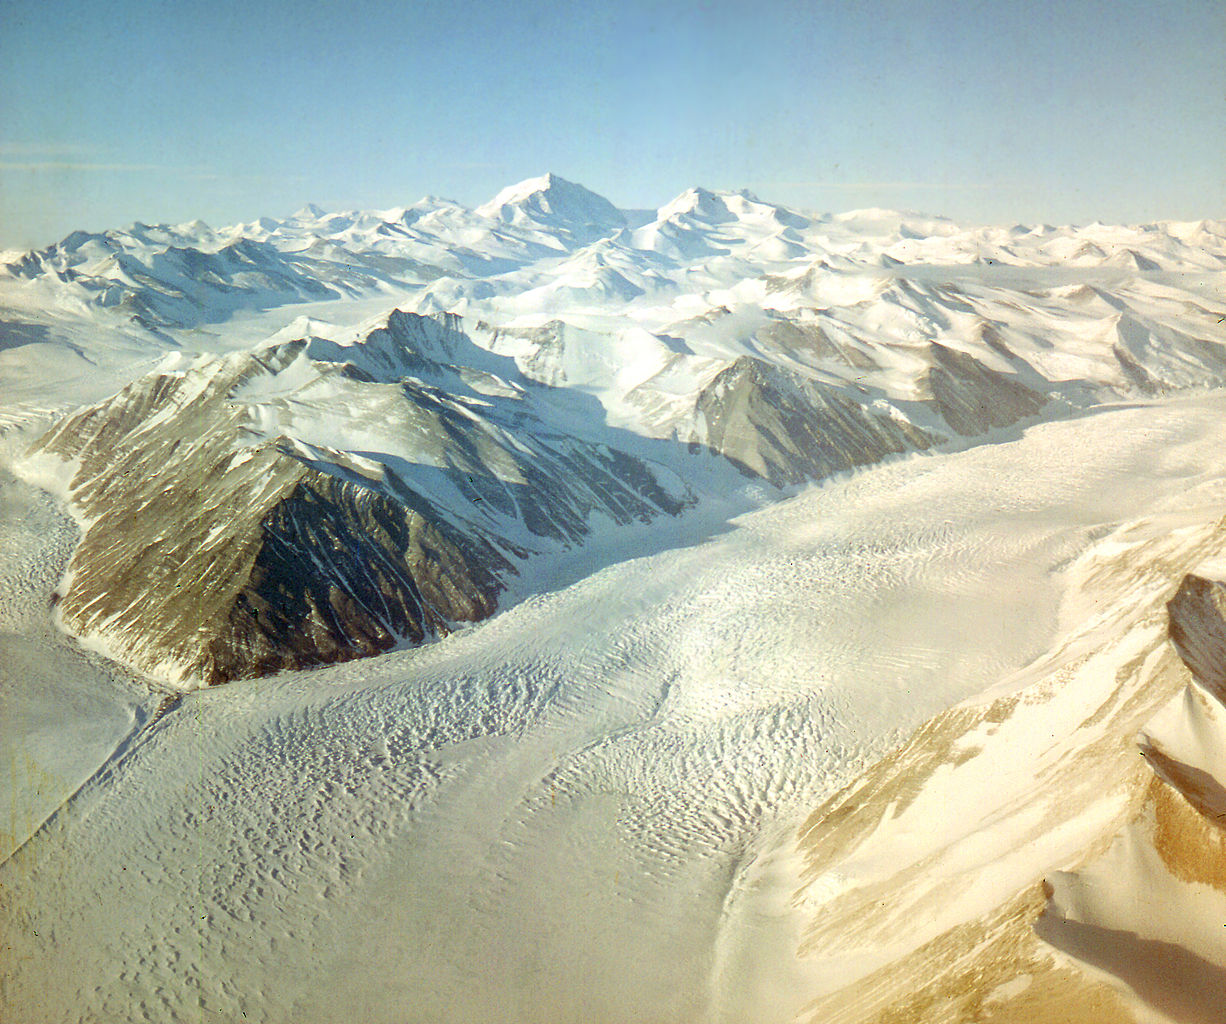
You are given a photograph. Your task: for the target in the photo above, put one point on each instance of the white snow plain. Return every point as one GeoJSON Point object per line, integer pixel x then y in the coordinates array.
{"type": "Point", "coordinates": [583, 809]}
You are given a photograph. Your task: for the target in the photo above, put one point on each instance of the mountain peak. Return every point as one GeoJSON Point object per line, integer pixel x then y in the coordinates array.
{"type": "Point", "coordinates": [553, 202]}
{"type": "Point", "coordinates": [527, 188]}
{"type": "Point", "coordinates": [699, 203]}
{"type": "Point", "coordinates": [309, 212]}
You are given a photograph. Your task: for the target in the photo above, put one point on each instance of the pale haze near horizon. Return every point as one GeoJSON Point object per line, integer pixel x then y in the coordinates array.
{"type": "Point", "coordinates": [985, 112]}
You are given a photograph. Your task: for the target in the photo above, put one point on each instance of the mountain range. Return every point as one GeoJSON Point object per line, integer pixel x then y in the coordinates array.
{"type": "Point", "coordinates": [550, 358]}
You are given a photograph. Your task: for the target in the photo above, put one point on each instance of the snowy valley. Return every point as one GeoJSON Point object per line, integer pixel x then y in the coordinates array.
{"type": "Point", "coordinates": [715, 613]}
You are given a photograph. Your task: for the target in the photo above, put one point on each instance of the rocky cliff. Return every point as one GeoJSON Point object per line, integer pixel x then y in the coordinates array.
{"type": "Point", "coordinates": [224, 536]}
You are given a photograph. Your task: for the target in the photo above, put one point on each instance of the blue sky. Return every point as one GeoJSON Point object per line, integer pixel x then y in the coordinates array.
{"type": "Point", "coordinates": [984, 111]}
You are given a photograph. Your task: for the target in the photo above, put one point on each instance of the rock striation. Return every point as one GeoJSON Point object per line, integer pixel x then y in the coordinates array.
{"type": "Point", "coordinates": [223, 537]}
{"type": "Point", "coordinates": [786, 428]}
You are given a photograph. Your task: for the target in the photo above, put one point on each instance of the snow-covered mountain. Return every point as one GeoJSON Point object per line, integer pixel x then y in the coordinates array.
{"type": "Point", "coordinates": [313, 501]}
{"type": "Point", "coordinates": [595, 349]}
{"type": "Point", "coordinates": [555, 209]}
{"type": "Point", "coordinates": [780, 617]}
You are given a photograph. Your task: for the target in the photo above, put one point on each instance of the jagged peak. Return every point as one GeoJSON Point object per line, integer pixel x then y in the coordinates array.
{"type": "Point", "coordinates": [523, 190]}
{"type": "Point", "coordinates": [401, 341]}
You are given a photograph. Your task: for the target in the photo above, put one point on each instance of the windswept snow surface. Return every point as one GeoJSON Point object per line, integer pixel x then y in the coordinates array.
{"type": "Point", "coordinates": [581, 809]}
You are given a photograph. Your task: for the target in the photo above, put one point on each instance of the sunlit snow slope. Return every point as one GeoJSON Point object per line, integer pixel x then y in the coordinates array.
{"type": "Point", "coordinates": [1052, 849]}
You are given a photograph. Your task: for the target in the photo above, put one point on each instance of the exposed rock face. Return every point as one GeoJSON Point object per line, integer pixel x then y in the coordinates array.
{"type": "Point", "coordinates": [787, 428]}
{"type": "Point", "coordinates": [225, 539]}
{"type": "Point", "coordinates": [972, 398]}
{"type": "Point", "coordinates": [1198, 630]}
{"type": "Point", "coordinates": [806, 336]}
{"type": "Point", "coordinates": [1149, 911]}
{"type": "Point", "coordinates": [938, 882]}
{"type": "Point", "coordinates": [206, 559]}
{"type": "Point", "coordinates": [342, 571]}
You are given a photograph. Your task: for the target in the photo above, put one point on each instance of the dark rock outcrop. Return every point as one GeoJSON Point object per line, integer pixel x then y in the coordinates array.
{"type": "Point", "coordinates": [223, 538]}
{"type": "Point", "coordinates": [787, 428]}
{"type": "Point", "coordinates": [971, 397]}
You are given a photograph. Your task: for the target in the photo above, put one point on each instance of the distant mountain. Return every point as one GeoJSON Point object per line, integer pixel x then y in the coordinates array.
{"type": "Point", "coordinates": [557, 207]}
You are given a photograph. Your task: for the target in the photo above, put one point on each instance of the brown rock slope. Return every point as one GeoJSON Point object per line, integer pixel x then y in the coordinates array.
{"type": "Point", "coordinates": [786, 428]}
{"type": "Point", "coordinates": [1020, 859]}
{"type": "Point", "coordinates": [205, 556]}
{"type": "Point", "coordinates": [312, 502]}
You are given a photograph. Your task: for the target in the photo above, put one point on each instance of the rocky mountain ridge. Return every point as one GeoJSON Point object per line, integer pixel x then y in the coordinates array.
{"type": "Point", "coordinates": [226, 538]}
{"type": "Point", "coordinates": [548, 359]}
